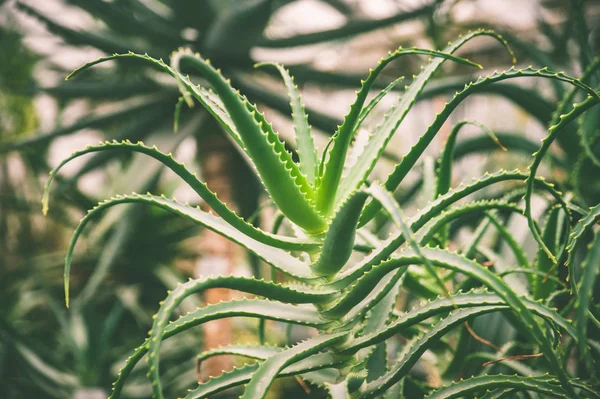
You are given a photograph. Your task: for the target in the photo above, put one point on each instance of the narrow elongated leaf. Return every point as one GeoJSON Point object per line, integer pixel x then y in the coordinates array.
{"type": "Point", "coordinates": [332, 171]}
{"type": "Point", "coordinates": [553, 131]}
{"type": "Point", "coordinates": [198, 186]}
{"type": "Point", "coordinates": [407, 163]}
{"type": "Point", "coordinates": [274, 256]}
{"type": "Point", "coordinates": [243, 375]}
{"type": "Point", "coordinates": [258, 352]}
{"type": "Point", "coordinates": [583, 226]}
{"type": "Point", "coordinates": [193, 286]}
{"type": "Point", "coordinates": [543, 285]}
{"type": "Point", "coordinates": [305, 143]}
{"type": "Point", "coordinates": [410, 357]}
{"type": "Point", "coordinates": [545, 385]}
{"type": "Point", "coordinates": [429, 212]}
{"type": "Point", "coordinates": [394, 118]}
{"type": "Point", "coordinates": [427, 233]}
{"type": "Point", "coordinates": [513, 142]}
{"type": "Point", "coordinates": [268, 370]}
{"type": "Point", "coordinates": [339, 241]}
{"type": "Point", "coordinates": [525, 317]}
{"type": "Point", "coordinates": [289, 189]}
{"type": "Point", "coordinates": [247, 308]}
{"type": "Point", "coordinates": [364, 113]}
{"type": "Point", "coordinates": [585, 292]}
{"type": "Point", "coordinates": [441, 305]}
{"type": "Point", "coordinates": [282, 178]}
{"type": "Point", "coordinates": [445, 169]}
{"type": "Point", "coordinates": [387, 200]}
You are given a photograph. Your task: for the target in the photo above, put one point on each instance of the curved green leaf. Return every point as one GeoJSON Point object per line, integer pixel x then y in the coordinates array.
{"type": "Point", "coordinates": [332, 172]}
{"type": "Point", "coordinates": [410, 356]}
{"type": "Point", "coordinates": [563, 120]}
{"type": "Point", "coordinates": [243, 375]}
{"type": "Point", "coordinates": [444, 177]}
{"type": "Point", "coordinates": [269, 369]}
{"type": "Point", "coordinates": [590, 270]}
{"type": "Point", "coordinates": [281, 176]}
{"type": "Point", "coordinates": [339, 240]}
{"type": "Point", "coordinates": [246, 308]}
{"type": "Point", "coordinates": [544, 384]}
{"type": "Point", "coordinates": [429, 212]}
{"type": "Point", "coordinates": [402, 169]}
{"type": "Point", "coordinates": [274, 256]}
{"type": "Point", "coordinates": [305, 143]}
{"type": "Point", "coordinates": [198, 186]}
{"type": "Point", "coordinates": [173, 300]}
{"type": "Point", "coordinates": [583, 226]}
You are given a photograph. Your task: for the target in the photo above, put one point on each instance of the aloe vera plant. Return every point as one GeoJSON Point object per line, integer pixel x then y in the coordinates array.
{"type": "Point", "coordinates": [343, 280]}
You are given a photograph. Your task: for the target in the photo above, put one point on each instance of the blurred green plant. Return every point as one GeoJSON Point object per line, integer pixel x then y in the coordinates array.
{"type": "Point", "coordinates": [345, 281]}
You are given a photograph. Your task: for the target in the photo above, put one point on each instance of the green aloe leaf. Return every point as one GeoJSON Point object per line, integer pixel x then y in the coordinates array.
{"type": "Point", "coordinates": [274, 256]}
{"type": "Point", "coordinates": [585, 294]}
{"type": "Point", "coordinates": [339, 240]}
{"type": "Point", "coordinates": [442, 305]}
{"type": "Point", "coordinates": [161, 320]}
{"type": "Point", "coordinates": [410, 159]}
{"type": "Point", "coordinates": [198, 186]}
{"type": "Point", "coordinates": [243, 375]}
{"type": "Point", "coordinates": [553, 131]}
{"type": "Point", "coordinates": [257, 352]}
{"type": "Point", "coordinates": [543, 285]}
{"type": "Point", "coordinates": [332, 171]}
{"type": "Point", "coordinates": [584, 225]}
{"type": "Point", "coordinates": [455, 262]}
{"type": "Point", "coordinates": [246, 308]}
{"type": "Point", "coordinates": [445, 168]}
{"type": "Point", "coordinates": [426, 214]}
{"type": "Point", "coordinates": [545, 385]}
{"type": "Point", "coordinates": [268, 370]}
{"type": "Point", "coordinates": [379, 139]}
{"type": "Point", "coordinates": [414, 352]}
{"type": "Point", "coordinates": [305, 143]}
{"type": "Point", "coordinates": [281, 176]}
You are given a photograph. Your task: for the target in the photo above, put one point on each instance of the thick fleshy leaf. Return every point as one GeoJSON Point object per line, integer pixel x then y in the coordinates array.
{"type": "Point", "coordinates": [281, 176]}
{"type": "Point", "coordinates": [339, 240]}
{"type": "Point", "coordinates": [305, 144]}
{"type": "Point", "coordinates": [274, 256]}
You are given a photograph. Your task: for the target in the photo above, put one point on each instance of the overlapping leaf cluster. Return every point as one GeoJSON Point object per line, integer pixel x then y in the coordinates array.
{"type": "Point", "coordinates": [344, 281]}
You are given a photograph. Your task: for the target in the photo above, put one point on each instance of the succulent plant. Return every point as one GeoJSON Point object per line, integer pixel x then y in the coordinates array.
{"type": "Point", "coordinates": [342, 279]}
